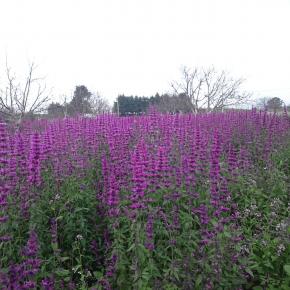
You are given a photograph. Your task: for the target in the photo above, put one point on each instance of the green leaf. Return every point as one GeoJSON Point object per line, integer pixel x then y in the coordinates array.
{"type": "Point", "coordinates": [131, 248]}
{"type": "Point", "coordinates": [227, 234]}
{"type": "Point", "coordinates": [63, 259]}
{"type": "Point", "coordinates": [98, 274]}
{"type": "Point", "coordinates": [249, 271]}
{"type": "Point", "coordinates": [198, 280]}
{"type": "Point", "coordinates": [62, 272]}
{"type": "Point", "coordinates": [287, 269]}
{"type": "Point", "coordinates": [175, 274]}
{"type": "Point", "coordinates": [54, 246]}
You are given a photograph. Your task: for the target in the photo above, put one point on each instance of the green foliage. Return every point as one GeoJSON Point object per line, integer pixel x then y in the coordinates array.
{"type": "Point", "coordinates": [131, 105]}
{"type": "Point", "coordinates": [73, 206]}
{"type": "Point", "coordinates": [263, 199]}
{"type": "Point", "coordinates": [179, 259]}
{"type": "Point", "coordinates": [275, 104]}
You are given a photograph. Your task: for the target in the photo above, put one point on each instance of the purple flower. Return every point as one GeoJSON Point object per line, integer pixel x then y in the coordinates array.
{"type": "Point", "coordinates": [48, 284]}
{"type": "Point", "coordinates": [29, 285]}
{"type": "Point", "coordinates": [149, 233]}
{"type": "Point", "coordinates": [32, 247]}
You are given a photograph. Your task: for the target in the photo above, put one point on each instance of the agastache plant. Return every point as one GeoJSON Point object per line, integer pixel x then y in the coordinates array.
{"type": "Point", "coordinates": [34, 176]}
{"type": "Point", "coordinates": [5, 182]}
{"type": "Point", "coordinates": [169, 201]}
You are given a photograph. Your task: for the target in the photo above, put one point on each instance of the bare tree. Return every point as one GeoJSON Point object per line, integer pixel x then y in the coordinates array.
{"type": "Point", "coordinates": [18, 100]}
{"type": "Point", "coordinates": [83, 102]}
{"type": "Point", "coordinates": [173, 103]}
{"type": "Point", "coordinates": [261, 103]}
{"type": "Point", "coordinates": [190, 86]}
{"type": "Point", "coordinates": [99, 104]}
{"type": "Point", "coordinates": [210, 89]}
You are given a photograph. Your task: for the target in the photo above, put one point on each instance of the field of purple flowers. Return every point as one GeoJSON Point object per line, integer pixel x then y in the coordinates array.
{"type": "Point", "coordinates": [149, 202]}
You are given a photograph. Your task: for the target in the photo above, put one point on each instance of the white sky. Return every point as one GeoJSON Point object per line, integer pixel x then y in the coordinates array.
{"type": "Point", "coordinates": [138, 46]}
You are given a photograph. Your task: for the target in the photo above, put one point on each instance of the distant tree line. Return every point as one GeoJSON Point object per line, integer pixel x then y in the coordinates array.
{"type": "Point", "coordinates": [274, 104]}
{"type": "Point", "coordinates": [126, 105]}
{"type": "Point", "coordinates": [82, 103]}
{"type": "Point", "coordinates": [197, 90]}
{"type": "Point", "coordinates": [30, 98]}
{"type": "Point", "coordinates": [165, 103]}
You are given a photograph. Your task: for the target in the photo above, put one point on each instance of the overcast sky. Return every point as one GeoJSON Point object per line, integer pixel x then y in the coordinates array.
{"type": "Point", "coordinates": [138, 46]}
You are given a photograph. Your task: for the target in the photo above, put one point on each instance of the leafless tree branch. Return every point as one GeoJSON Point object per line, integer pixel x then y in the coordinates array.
{"type": "Point", "coordinates": [209, 89]}
{"type": "Point", "coordinates": [16, 100]}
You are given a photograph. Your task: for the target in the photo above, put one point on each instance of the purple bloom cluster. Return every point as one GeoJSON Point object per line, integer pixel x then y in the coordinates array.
{"type": "Point", "coordinates": [34, 160]}
{"type": "Point", "coordinates": [139, 176]}
{"type": "Point", "coordinates": [153, 167]}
